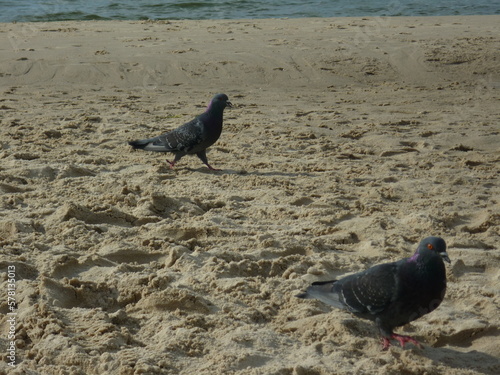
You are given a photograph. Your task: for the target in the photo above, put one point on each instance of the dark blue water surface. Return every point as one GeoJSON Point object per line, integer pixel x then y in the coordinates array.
{"type": "Point", "coordinates": [62, 10]}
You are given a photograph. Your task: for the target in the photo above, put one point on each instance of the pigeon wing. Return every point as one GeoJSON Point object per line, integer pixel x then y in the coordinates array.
{"type": "Point", "coordinates": [182, 139]}
{"type": "Point", "coordinates": [370, 291]}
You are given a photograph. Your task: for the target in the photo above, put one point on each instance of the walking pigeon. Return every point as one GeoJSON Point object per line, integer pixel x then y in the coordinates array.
{"type": "Point", "coordinates": [194, 137]}
{"type": "Point", "coordinates": [391, 294]}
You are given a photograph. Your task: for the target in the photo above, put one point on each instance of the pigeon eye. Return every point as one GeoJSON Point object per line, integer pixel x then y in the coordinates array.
{"type": "Point", "coordinates": [430, 247]}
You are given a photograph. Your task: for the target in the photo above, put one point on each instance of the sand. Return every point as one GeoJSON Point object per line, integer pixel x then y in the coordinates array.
{"type": "Point", "coordinates": [350, 140]}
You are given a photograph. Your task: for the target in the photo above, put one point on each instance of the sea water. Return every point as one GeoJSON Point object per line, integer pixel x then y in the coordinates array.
{"type": "Point", "coordinates": [62, 10]}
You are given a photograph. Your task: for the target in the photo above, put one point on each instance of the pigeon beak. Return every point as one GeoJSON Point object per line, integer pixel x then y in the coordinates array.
{"type": "Point", "coordinates": [444, 255]}
{"type": "Point", "coordinates": [229, 104]}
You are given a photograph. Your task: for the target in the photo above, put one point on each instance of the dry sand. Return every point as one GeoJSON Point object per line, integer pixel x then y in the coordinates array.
{"type": "Point", "coordinates": [351, 139]}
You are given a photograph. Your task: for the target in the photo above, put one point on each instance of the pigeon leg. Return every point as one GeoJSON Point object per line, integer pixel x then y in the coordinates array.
{"type": "Point", "coordinates": [176, 159]}
{"type": "Point", "coordinates": [203, 157]}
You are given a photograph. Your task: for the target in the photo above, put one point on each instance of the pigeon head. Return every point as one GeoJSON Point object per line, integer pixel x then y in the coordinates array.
{"type": "Point", "coordinates": [434, 244]}
{"type": "Point", "coordinates": [219, 102]}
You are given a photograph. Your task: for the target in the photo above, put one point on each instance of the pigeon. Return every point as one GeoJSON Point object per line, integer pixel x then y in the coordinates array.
{"type": "Point", "coordinates": [194, 137]}
{"type": "Point", "coordinates": [391, 294]}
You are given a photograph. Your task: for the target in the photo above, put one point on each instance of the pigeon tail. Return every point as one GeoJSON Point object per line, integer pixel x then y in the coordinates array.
{"type": "Point", "coordinates": [148, 145]}
{"type": "Point", "coordinates": [323, 291]}
{"type": "Point", "coordinates": [141, 143]}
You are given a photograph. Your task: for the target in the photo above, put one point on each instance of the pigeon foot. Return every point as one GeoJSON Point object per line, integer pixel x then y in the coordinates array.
{"type": "Point", "coordinates": [212, 168]}
{"type": "Point", "coordinates": [171, 163]}
{"type": "Point", "coordinates": [386, 342]}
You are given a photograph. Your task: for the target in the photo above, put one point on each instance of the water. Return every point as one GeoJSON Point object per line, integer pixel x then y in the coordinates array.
{"type": "Point", "coordinates": [63, 10]}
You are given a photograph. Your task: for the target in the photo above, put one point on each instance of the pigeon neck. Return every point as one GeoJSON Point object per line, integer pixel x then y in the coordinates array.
{"type": "Point", "coordinates": [422, 256]}
{"type": "Point", "coordinates": [215, 108]}
{"type": "Point", "coordinates": [414, 257]}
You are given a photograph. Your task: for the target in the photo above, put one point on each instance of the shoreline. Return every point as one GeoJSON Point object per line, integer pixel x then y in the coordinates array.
{"type": "Point", "coordinates": [255, 19]}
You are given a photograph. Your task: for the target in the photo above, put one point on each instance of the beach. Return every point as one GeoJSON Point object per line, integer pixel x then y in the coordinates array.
{"type": "Point", "coordinates": [349, 141]}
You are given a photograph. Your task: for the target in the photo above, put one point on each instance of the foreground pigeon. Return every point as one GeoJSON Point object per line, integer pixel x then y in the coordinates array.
{"type": "Point", "coordinates": [194, 137]}
{"type": "Point", "coordinates": [391, 294]}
